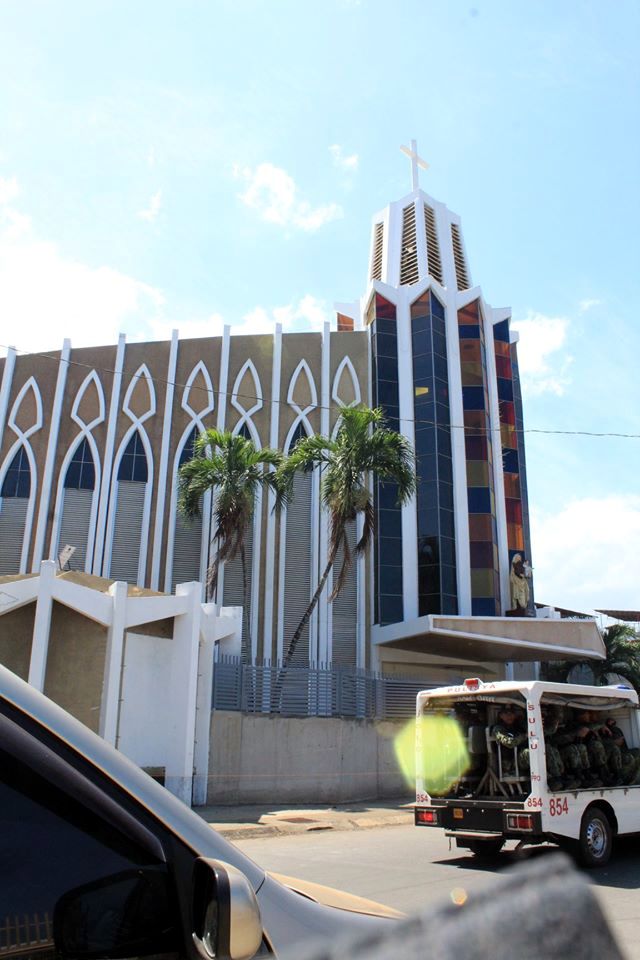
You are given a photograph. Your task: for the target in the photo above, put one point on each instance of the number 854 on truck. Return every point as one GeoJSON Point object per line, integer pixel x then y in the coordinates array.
{"type": "Point", "coordinates": [529, 761]}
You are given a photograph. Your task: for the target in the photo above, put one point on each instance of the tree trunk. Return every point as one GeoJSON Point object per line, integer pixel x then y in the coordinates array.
{"type": "Point", "coordinates": [293, 643]}
{"type": "Point", "coordinates": [245, 609]}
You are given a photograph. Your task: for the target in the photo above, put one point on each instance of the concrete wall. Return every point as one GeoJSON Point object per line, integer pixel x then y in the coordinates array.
{"type": "Point", "coordinates": [75, 661]}
{"type": "Point", "coordinates": [16, 631]}
{"type": "Point", "coordinates": [145, 723]}
{"type": "Point", "coordinates": [75, 664]}
{"type": "Point", "coordinates": [316, 759]}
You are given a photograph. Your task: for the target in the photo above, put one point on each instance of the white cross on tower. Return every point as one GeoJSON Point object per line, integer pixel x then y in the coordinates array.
{"type": "Point", "coordinates": [416, 162]}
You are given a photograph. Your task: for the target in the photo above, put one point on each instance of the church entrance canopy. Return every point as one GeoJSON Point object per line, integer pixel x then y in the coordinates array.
{"type": "Point", "coordinates": [496, 639]}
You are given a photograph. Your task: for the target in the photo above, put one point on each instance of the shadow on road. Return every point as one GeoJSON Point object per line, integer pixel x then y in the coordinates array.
{"type": "Point", "coordinates": [507, 858]}
{"type": "Point", "coordinates": [620, 872]}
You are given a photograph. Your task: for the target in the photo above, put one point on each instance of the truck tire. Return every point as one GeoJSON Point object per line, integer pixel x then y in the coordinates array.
{"type": "Point", "coordinates": [596, 838]}
{"type": "Point", "coordinates": [486, 849]}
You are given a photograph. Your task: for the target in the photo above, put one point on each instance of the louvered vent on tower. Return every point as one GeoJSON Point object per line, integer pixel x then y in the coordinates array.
{"type": "Point", "coordinates": [434, 265]}
{"type": "Point", "coordinates": [376, 259]}
{"type": "Point", "coordinates": [409, 254]}
{"type": "Point", "coordinates": [461, 268]}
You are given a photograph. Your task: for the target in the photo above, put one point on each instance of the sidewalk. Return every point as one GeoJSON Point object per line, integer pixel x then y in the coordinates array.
{"type": "Point", "coordinates": [269, 820]}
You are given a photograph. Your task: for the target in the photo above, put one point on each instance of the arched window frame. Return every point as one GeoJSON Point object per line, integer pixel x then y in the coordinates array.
{"type": "Point", "coordinates": [86, 433]}
{"type": "Point", "coordinates": [23, 441]}
{"type": "Point", "coordinates": [196, 422]}
{"type": "Point", "coordinates": [301, 420]}
{"type": "Point", "coordinates": [137, 425]}
{"type": "Point", "coordinates": [246, 414]}
{"type": "Point", "coordinates": [360, 562]}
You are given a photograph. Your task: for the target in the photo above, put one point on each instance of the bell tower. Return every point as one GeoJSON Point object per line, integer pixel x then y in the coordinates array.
{"type": "Point", "coordinates": [444, 368]}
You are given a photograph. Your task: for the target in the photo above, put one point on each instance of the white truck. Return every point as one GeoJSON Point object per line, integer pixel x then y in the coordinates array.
{"type": "Point", "coordinates": [489, 794]}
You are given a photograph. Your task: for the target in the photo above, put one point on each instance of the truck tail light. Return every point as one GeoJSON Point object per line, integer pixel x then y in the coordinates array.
{"type": "Point", "coordinates": [519, 821]}
{"type": "Point", "coordinates": [427, 816]}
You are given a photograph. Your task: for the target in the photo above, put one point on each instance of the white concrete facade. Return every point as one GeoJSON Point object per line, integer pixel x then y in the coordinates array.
{"type": "Point", "coordinates": [157, 710]}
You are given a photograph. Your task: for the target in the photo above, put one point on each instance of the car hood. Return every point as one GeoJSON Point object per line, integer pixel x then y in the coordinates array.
{"type": "Point", "coordinates": [294, 912]}
{"type": "Point", "coordinates": [339, 899]}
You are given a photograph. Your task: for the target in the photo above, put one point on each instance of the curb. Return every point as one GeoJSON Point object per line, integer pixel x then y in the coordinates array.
{"type": "Point", "coordinates": [250, 831]}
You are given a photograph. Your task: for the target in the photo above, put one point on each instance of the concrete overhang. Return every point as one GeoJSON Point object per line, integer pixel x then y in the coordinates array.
{"type": "Point", "coordinates": [494, 638]}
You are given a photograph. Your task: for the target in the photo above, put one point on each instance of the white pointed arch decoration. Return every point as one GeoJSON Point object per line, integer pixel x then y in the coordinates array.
{"type": "Point", "coordinates": [29, 386]}
{"type": "Point", "coordinates": [22, 440]}
{"type": "Point", "coordinates": [142, 374]}
{"type": "Point", "coordinates": [85, 433]}
{"type": "Point", "coordinates": [346, 365]}
{"type": "Point", "coordinates": [248, 403]}
{"type": "Point", "coordinates": [239, 401]}
{"type": "Point", "coordinates": [91, 379]}
{"type": "Point", "coordinates": [302, 413]}
{"type": "Point", "coordinates": [301, 421]}
{"type": "Point", "coordinates": [343, 611]}
{"type": "Point", "coordinates": [197, 412]}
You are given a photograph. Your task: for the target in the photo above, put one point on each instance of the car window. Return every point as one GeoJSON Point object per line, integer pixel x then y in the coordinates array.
{"type": "Point", "coordinates": [57, 853]}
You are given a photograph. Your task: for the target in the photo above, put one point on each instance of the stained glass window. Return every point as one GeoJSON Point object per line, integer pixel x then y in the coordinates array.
{"type": "Point", "coordinates": [133, 465]}
{"type": "Point", "coordinates": [17, 479]}
{"type": "Point", "coordinates": [81, 472]}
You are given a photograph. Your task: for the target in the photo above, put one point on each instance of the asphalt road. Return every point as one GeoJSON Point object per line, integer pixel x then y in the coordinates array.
{"type": "Point", "coordinates": [411, 867]}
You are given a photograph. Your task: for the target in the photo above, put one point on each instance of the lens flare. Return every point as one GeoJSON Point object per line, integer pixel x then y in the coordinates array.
{"type": "Point", "coordinates": [435, 747]}
{"type": "Point", "coordinates": [459, 896]}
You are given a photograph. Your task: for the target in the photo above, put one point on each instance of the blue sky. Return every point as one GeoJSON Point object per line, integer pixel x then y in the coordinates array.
{"type": "Point", "coordinates": [184, 164]}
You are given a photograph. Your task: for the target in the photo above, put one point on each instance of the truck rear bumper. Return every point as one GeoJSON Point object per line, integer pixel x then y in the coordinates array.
{"type": "Point", "coordinates": [473, 834]}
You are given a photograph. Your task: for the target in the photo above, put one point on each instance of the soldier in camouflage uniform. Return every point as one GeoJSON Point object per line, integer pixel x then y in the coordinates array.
{"type": "Point", "coordinates": [470, 714]}
{"type": "Point", "coordinates": [569, 739]}
{"type": "Point", "coordinates": [558, 777]}
{"type": "Point", "coordinates": [604, 758]}
{"type": "Point", "coordinates": [510, 731]}
{"type": "Point", "coordinates": [629, 771]}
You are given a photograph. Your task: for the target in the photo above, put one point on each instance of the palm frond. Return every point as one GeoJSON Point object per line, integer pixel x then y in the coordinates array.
{"type": "Point", "coordinates": [363, 447]}
{"type": "Point", "coordinates": [230, 467]}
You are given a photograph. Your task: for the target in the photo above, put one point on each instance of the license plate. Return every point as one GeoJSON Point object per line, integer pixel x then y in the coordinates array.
{"type": "Point", "coordinates": [458, 813]}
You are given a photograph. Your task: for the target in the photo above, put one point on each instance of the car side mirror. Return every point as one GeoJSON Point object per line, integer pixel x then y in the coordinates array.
{"type": "Point", "coordinates": [128, 914]}
{"type": "Point", "coordinates": [226, 922]}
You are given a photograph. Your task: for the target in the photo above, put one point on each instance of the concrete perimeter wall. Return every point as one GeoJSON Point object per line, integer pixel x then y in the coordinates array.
{"type": "Point", "coordinates": [255, 759]}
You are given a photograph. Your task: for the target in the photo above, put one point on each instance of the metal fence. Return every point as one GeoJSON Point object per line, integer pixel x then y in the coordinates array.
{"type": "Point", "coordinates": [26, 935]}
{"type": "Point", "coordinates": [318, 690]}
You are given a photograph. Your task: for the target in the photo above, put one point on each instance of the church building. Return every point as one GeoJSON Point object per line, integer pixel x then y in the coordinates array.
{"type": "Point", "coordinates": [91, 441]}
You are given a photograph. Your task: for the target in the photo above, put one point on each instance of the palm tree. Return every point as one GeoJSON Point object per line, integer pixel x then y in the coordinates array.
{"type": "Point", "coordinates": [363, 446]}
{"type": "Point", "coordinates": [231, 466]}
{"type": "Point", "coordinates": [622, 645]}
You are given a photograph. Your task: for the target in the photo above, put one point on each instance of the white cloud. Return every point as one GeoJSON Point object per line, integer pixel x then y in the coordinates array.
{"type": "Point", "coordinates": [586, 554]}
{"type": "Point", "coordinates": [151, 212]}
{"type": "Point", "coordinates": [46, 296]}
{"type": "Point", "coordinates": [542, 355]}
{"type": "Point", "coordinates": [212, 326]}
{"type": "Point", "coordinates": [273, 194]}
{"type": "Point", "coordinates": [308, 314]}
{"type": "Point", "coordinates": [588, 304]}
{"type": "Point", "coordinates": [345, 162]}
{"type": "Point", "coordinates": [9, 190]}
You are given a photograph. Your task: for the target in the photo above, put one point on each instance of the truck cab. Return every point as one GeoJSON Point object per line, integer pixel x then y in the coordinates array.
{"type": "Point", "coordinates": [529, 761]}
